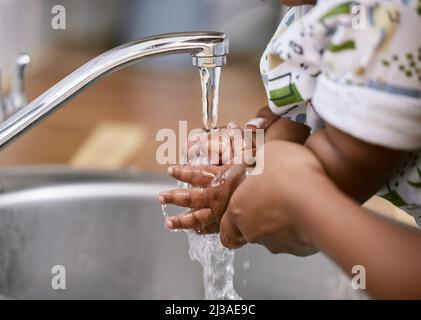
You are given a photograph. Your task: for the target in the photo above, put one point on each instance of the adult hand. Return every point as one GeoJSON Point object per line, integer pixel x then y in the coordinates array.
{"type": "Point", "coordinates": [265, 208]}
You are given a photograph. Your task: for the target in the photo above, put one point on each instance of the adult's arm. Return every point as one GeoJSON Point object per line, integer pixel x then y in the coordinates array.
{"type": "Point", "coordinates": [352, 235]}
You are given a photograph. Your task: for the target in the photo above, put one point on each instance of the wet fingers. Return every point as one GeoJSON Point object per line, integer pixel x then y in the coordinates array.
{"type": "Point", "coordinates": [195, 175]}
{"type": "Point", "coordinates": [189, 198]}
{"type": "Point", "coordinates": [197, 219]}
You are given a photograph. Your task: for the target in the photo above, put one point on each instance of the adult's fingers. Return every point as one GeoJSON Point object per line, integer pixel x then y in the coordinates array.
{"type": "Point", "coordinates": [190, 198]}
{"type": "Point", "coordinates": [197, 219]}
{"type": "Point", "coordinates": [268, 115]}
{"type": "Point", "coordinates": [212, 228]}
{"type": "Point", "coordinates": [199, 176]}
{"type": "Point", "coordinates": [229, 234]}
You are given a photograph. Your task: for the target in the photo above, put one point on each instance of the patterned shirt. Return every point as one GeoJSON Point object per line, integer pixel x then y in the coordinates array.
{"type": "Point", "coordinates": [357, 66]}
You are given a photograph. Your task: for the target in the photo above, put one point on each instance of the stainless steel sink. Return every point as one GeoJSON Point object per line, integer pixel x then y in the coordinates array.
{"type": "Point", "coordinates": [106, 229]}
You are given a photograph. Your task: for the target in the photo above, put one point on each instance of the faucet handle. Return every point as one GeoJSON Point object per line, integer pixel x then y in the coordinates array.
{"type": "Point", "coordinates": [17, 97]}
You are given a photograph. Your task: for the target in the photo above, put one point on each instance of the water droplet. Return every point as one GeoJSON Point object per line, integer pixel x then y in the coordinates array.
{"type": "Point", "coordinates": [164, 210]}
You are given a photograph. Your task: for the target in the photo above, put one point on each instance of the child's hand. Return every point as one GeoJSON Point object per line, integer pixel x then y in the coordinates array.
{"type": "Point", "coordinates": [230, 144]}
{"type": "Point", "coordinates": [221, 146]}
{"type": "Point", "coordinates": [208, 198]}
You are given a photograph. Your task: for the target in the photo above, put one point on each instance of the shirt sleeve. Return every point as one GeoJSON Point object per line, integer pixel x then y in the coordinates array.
{"type": "Point", "coordinates": [359, 64]}
{"type": "Point", "coordinates": [294, 63]}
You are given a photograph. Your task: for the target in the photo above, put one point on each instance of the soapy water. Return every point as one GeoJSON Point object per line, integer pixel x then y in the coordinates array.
{"type": "Point", "coordinates": [216, 260]}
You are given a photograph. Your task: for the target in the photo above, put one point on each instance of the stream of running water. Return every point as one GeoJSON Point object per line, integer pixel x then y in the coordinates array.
{"type": "Point", "coordinates": [216, 260]}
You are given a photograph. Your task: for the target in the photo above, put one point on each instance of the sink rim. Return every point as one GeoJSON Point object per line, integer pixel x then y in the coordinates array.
{"type": "Point", "coordinates": [83, 191]}
{"type": "Point", "coordinates": [31, 184]}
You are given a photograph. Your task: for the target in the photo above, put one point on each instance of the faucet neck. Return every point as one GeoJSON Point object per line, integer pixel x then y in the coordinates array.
{"type": "Point", "coordinates": [208, 49]}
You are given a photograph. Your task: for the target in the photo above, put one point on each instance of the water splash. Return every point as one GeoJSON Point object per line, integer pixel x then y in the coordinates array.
{"type": "Point", "coordinates": [217, 263]}
{"type": "Point", "coordinates": [216, 260]}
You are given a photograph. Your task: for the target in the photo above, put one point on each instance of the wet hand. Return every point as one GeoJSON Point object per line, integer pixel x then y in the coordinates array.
{"type": "Point", "coordinates": [232, 143]}
{"type": "Point", "coordinates": [208, 197]}
{"type": "Point", "coordinates": [222, 145]}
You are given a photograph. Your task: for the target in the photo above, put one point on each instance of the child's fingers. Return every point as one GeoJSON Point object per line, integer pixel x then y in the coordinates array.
{"type": "Point", "coordinates": [195, 138]}
{"type": "Point", "coordinates": [236, 136]}
{"type": "Point", "coordinates": [216, 143]}
{"type": "Point", "coordinates": [193, 150]}
{"type": "Point", "coordinates": [195, 175]}
{"type": "Point", "coordinates": [195, 135]}
{"type": "Point", "coordinates": [197, 219]}
{"type": "Point", "coordinates": [189, 198]}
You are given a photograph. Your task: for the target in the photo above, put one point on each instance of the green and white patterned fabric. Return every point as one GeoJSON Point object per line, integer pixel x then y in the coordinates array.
{"type": "Point", "coordinates": [357, 66]}
{"type": "Point", "coordinates": [404, 188]}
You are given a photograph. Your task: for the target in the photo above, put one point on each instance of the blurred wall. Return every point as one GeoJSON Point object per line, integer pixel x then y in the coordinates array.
{"type": "Point", "coordinates": [25, 25]}
{"type": "Point", "coordinates": [21, 28]}
{"type": "Point", "coordinates": [249, 23]}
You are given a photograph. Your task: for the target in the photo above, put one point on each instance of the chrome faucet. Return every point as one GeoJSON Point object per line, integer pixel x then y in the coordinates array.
{"type": "Point", "coordinates": [208, 50]}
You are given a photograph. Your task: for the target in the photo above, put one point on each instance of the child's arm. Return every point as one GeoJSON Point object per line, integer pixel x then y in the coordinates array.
{"type": "Point", "coordinates": [356, 167]}
{"type": "Point", "coordinates": [283, 129]}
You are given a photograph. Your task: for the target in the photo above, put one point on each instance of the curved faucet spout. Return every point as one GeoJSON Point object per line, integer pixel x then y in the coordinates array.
{"type": "Point", "coordinates": [208, 50]}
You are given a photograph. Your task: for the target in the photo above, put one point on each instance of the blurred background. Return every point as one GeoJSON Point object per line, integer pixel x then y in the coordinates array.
{"type": "Point", "coordinates": [137, 101]}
